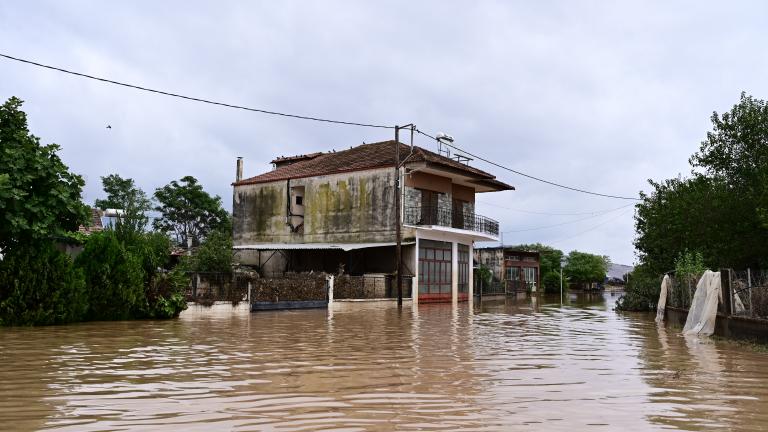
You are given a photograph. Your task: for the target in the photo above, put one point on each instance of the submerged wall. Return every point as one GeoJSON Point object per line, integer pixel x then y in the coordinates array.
{"type": "Point", "coordinates": [753, 329]}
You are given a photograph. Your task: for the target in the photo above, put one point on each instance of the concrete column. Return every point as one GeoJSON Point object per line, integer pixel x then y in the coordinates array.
{"type": "Point", "coordinates": [330, 280]}
{"type": "Point", "coordinates": [454, 272]}
{"type": "Point", "coordinates": [471, 272]}
{"type": "Point", "coordinates": [415, 283]}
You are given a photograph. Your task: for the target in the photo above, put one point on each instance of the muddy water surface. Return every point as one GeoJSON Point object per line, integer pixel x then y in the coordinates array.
{"type": "Point", "coordinates": [524, 364]}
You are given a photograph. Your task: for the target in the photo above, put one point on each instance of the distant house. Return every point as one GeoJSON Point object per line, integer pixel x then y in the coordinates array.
{"type": "Point", "coordinates": [95, 225]}
{"type": "Point", "coordinates": [335, 211]}
{"type": "Point", "coordinates": [517, 270]}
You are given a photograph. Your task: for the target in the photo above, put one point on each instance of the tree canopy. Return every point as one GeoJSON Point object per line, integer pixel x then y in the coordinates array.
{"type": "Point", "coordinates": [39, 196]}
{"type": "Point", "coordinates": [584, 268]}
{"type": "Point", "coordinates": [125, 195]}
{"type": "Point", "coordinates": [720, 211]}
{"type": "Point", "coordinates": [187, 211]}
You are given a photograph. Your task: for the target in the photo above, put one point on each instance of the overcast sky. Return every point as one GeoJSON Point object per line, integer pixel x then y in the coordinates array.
{"type": "Point", "coordinates": [590, 94]}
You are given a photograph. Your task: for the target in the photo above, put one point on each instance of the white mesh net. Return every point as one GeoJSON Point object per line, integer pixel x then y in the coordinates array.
{"type": "Point", "coordinates": [703, 311]}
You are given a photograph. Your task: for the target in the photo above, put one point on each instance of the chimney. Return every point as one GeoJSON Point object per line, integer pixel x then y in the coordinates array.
{"type": "Point", "coordinates": [239, 175]}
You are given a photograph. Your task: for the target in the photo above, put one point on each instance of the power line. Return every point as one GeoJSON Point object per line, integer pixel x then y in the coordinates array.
{"type": "Point", "coordinates": [550, 214]}
{"type": "Point", "coordinates": [568, 222]}
{"type": "Point", "coordinates": [589, 229]}
{"type": "Point", "coordinates": [524, 174]}
{"type": "Point", "coordinates": [302, 117]}
{"type": "Point", "coordinates": [196, 99]}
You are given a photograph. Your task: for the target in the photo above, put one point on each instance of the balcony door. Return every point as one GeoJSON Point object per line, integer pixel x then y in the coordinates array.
{"type": "Point", "coordinates": [429, 203]}
{"type": "Point", "coordinates": [458, 214]}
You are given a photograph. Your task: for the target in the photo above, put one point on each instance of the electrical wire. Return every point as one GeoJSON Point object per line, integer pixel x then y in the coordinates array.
{"type": "Point", "coordinates": [524, 174]}
{"type": "Point", "coordinates": [547, 213]}
{"type": "Point", "coordinates": [588, 229]}
{"type": "Point", "coordinates": [302, 117]}
{"type": "Point", "coordinates": [196, 99]}
{"type": "Point", "coordinates": [568, 222]}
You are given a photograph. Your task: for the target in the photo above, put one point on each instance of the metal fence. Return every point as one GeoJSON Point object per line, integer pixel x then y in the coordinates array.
{"type": "Point", "coordinates": [748, 290]}
{"type": "Point", "coordinates": [346, 287]}
{"type": "Point", "coordinates": [207, 287]}
{"type": "Point", "coordinates": [447, 217]}
{"type": "Point", "coordinates": [499, 287]}
{"type": "Point", "coordinates": [750, 293]}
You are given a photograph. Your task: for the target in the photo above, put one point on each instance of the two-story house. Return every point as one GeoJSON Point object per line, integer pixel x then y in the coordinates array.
{"type": "Point", "coordinates": [335, 211]}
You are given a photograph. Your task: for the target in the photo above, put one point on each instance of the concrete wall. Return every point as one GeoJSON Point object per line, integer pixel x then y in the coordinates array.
{"type": "Point", "coordinates": [352, 207]}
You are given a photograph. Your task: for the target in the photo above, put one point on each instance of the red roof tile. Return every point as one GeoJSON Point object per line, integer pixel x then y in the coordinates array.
{"type": "Point", "coordinates": [364, 157]}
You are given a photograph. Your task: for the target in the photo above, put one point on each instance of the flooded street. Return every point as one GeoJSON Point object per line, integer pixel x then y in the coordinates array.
{"type": "Point", "coordinates": [521, 364]}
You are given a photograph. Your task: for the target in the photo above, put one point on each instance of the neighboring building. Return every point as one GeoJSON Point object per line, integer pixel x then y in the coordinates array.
{"type": "Point", "coordinates": [95, 225]}
{"type": "Point", "coordinates": [517, 270]}
{"type": "Point", "coordinates": [335, 212]}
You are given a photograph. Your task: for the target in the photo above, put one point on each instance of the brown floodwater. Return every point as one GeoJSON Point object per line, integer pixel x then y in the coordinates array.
{"type": "Point", "coordinates": [514, 364]}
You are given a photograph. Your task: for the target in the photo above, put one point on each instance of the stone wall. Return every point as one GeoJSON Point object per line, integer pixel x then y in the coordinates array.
{"type": "Point", "coordinates": [293, 287]}
{"type": "Point", "coordinates": [368, 287]}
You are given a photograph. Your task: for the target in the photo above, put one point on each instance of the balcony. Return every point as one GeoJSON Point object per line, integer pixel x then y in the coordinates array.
{"type": "Point", "coordinates": [446, 217]}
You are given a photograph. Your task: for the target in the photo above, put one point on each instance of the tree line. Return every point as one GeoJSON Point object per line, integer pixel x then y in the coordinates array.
{"type": "Point", "coordinates": [716, 216]}
{"type": "Point", "coordinates": [124, 271]}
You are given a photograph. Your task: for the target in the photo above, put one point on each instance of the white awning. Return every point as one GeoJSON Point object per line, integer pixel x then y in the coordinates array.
{"type": "Point", "coordinates": [298, 246]}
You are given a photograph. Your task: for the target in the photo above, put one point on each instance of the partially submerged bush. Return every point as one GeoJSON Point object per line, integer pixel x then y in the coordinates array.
{"type": "Point", "coordinates": [114, 277]}
{"type": "Point", "coordinates": [165, 295]}
{"type": "Point", "coordinates": [642, 291]}
{"type": "Point", "coordinates": [40, 285]}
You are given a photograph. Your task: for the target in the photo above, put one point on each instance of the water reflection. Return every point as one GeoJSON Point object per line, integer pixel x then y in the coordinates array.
{"type": "Point", "coordinates": [500, 364]}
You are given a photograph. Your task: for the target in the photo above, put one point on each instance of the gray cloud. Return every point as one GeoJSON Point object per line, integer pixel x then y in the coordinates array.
{"type": "Point", "coordinates": [590, 94]}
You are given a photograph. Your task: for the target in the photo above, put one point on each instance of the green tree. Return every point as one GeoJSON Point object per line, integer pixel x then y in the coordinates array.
{"type": "Point", "coordinates": [585, 268]}
{"type": "Point", "coordinates": [214, 253]}
{"type": "Point", "coordinates": [39, 285]}
{"type": "Point", "coordinates": [188, 212]}
{"type": "Point", "coordinates": [39, 197]}
{"type": "Point", "coordinates": [114, 277]}
{"type": "Point", "coordinates": [123, 194]}
{"type": "Point", "coordinates": [721, 209]}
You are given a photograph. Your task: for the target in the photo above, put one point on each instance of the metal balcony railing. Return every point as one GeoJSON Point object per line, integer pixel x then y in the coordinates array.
{"type": "Point", "coordinates": [446, 217]}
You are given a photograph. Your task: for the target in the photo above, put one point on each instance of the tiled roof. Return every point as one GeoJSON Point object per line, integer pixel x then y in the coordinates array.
{"type": "Point", "coordinates": [95, 224]}
{"type": "Point", "coordinates": [363, 157]}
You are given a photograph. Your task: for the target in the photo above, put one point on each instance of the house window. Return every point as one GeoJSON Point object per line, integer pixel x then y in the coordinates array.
{"type": "Point", "coordinates": [299, 200]}
{"type": "Point", "coordinates": [434, 270]}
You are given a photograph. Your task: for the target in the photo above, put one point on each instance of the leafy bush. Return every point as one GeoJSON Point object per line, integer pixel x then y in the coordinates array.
{"type": "Point", "coordinates": [642, 291]}
{"type": "Point", "coordinates": [551, 282]}
{"type": "Point", "coordinates": [39, 285]}
{"type": "Point", "coordinates": [165, 295]}
{"type": "Point", "coordinates": [214, 254]}
{"type": "Point", "coordinates": [114, 277]}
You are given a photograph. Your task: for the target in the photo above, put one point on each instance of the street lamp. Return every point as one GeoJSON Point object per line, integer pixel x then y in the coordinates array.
{"type": "Point", "coordinates": [562, 264]}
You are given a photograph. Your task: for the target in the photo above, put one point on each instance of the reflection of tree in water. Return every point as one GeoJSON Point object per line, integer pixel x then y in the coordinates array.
{"type": "Point", "coordinates": [698, 383]}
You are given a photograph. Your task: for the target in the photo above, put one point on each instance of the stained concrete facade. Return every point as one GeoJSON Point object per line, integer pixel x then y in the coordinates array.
{"type": "Point", "coordinates": [353, 207]}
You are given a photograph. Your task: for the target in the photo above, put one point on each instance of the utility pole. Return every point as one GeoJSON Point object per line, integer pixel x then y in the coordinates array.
{"type": "Point", "coordinates": [398, 218]}
{"type": "Point", "coordinates": [398, 241]}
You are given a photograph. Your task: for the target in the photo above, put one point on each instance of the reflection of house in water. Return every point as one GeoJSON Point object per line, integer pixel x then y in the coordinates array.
{"type": "Point", "coordinates": [335, 210]}
{"type": "Point", "coordinates": [517, 270]}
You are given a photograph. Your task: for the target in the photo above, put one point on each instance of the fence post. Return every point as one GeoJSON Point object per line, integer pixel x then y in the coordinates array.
{"type": "Point", "coordinates": [725, 285]}
{"type": "Point", "coordinates": [330, 280]}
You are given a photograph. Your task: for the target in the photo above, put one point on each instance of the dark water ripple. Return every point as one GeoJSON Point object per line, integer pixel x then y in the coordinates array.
{"type": "Point", "coordinates": [510, 365]}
